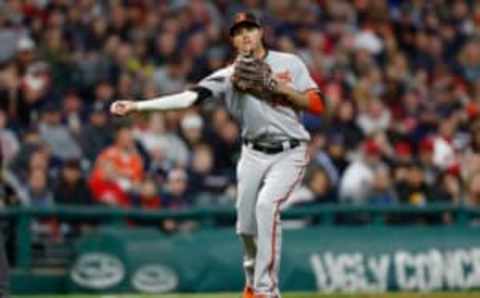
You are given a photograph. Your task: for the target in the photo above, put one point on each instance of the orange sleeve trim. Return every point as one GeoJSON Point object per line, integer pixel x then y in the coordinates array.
{"type": "Point", "coordinates": [315, 102]}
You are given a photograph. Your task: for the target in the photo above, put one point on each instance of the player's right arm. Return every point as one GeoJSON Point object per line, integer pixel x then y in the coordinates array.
{"type": "Point", "coordinates": [212, 86]}
{"type": "Point", "coordinates": [163, 103]}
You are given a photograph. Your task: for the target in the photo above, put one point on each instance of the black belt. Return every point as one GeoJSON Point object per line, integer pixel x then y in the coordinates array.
{"type": "Point", "coordinates": [272, 148]}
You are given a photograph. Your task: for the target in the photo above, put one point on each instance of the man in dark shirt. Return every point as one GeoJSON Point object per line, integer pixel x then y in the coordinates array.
{"type": "Point", "coordinates": [97, 134]}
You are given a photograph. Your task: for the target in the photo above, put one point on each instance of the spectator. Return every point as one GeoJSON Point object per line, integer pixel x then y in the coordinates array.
{"type": "Point", "coordinates": [148, 197]}
{"type": "Point", "coordinates": [40, 195]}
{"type": "Point", "coordinates": [375, 119]}
{"type": "Point", "coordinates": [204, 179]}
{"type": "Point", "coordinates": [8, 194]}
{"type": "Point", "coordinates": [196, 47]}
{"type": "Point", "coordinates": [175, 195]}
{"type": "Point", "coordinates": [37, 91]}
{"type": "Point", "coordinates": [473, 191]}
{"type": "Point", "coordinates": [407, 113]}
{"type": "Point", "coordinates": [126, 86]}
{"type": "Point", "coordinates": [31, 142]}
{"type": "Point", "coordinates": [469, 59]}
{"type": "Point", "coordinates": [8, 140]}
{"type": "Point", "coordinates": [344, 124]}
{"type": "Point", "coordinates": [118, 170]}
{"type": "Point", "coordinates": [330, 159]}
{"type": "Point", "coordinates": [358, 180]}
{"type": "Point", "coordinates": [39, 192]}
{"type": "Point", "coordinates": [403, 151]}
{"type": "Point", "coordinates": [425, 155]}
{"type": "Point", "coordinates": [338, 151]}
{"type": "Point", "coordinates": [165, 47]}
{"type": "Point", "coordinates": [73, 112]}
{"type": "Point", "coordinates": [104, 92]}
{"type": "Point", "coordinates": [444, 156]}
{"type": "Point", "coordinates": [475, 137]}
{"type": "Point", "coordinates": [171, 77]}
{"type": "Point", "coordinates": [54, 50]}
{"type": "Point", "coordinates": [413, 190]}
{"type": "Point", "coordinates": [97, 134]}
{"type": "Point", "coordinates": [226, 146]}
{"type": "Point", "coordinates": [167, 148]}
{"type": "Point", "coordinates": [383, 189]}
{"type": "Point", "coordinates": [25, 53]}
{"type": "Point", "coordinates": [192, 129]}
{"type": "Point", "coordinates": [448, 190]}
{"type": "Point", "coordinates": [10, 90]}
{"type": "Point", "coordinates": [72, 188]}
{"type": "Point", "coordinates": [56, 135]}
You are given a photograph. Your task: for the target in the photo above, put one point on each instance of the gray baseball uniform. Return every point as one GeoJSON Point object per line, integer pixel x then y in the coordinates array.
{"type": "Point", "coordinates": [265, 179]}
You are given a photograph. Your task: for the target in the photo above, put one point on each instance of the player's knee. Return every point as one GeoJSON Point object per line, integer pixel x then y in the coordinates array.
{"type": "Point", "coordinates": [264, 206]}
{"type": "Point", "coordinates": [245, 229]}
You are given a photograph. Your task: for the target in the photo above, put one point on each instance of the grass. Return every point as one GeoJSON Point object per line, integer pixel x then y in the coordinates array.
{"type": "Point", "coordinates": [287, 295]}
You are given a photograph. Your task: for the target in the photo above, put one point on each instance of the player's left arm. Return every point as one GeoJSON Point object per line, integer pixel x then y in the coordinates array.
{"type": "Point", "coordinates": [311, 98]}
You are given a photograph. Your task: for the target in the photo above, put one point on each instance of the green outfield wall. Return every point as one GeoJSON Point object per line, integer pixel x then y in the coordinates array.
{"type": "Point", "coordinates": [371, 259]}
{"type": "Point", "coordinates": [325, 258]}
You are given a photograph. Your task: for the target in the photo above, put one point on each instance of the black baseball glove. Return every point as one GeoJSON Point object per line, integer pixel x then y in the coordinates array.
{"type": "Point", "coordinates": [253, 76]}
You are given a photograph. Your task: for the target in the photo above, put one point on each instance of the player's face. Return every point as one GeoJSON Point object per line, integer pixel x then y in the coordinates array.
{"type": "Point", "coordinates": [247, 38]}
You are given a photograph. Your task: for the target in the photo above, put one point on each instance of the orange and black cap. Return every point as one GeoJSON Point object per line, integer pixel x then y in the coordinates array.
{"type": "Point", "coordinates": [244, 18]}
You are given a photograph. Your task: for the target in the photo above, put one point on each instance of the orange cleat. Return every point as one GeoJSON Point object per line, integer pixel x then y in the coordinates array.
{"type": "Point", "coordinates": [248, 292]}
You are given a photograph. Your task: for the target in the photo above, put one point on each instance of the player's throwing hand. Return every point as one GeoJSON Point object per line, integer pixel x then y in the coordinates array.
{"type": "Point", "coordinates": [122, 107]}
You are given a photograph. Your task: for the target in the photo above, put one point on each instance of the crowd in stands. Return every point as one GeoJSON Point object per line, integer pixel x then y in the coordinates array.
{"type": "Point", "coordinates": [402, 77]}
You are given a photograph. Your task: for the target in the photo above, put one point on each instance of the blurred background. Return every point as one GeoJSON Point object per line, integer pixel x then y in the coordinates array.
{"type": "Point", "coordinates": [403, 78]}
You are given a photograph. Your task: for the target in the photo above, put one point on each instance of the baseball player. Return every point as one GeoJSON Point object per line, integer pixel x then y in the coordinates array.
{"type": "Point", "coordinates": [266, 91]}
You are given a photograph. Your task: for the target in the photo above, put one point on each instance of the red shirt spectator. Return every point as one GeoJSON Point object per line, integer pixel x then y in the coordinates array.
{"type": "Point", "coordinates": [118, 171]}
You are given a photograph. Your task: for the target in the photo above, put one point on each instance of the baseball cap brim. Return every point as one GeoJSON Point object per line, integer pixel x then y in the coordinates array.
{"type": "Point", "coordinates": [244, 23]}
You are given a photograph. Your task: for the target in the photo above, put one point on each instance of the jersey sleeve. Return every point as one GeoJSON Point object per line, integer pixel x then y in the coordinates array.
{"type": "Point", "coordinates": [217, 83]}
{"type": "Point", "coordinates": [302, 79]}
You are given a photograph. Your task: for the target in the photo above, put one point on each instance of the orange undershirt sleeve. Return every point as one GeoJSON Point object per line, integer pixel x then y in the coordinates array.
{"type": "Point", "coordinates": [316, 104]}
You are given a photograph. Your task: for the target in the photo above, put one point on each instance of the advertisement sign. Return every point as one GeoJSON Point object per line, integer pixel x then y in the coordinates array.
{"type": "Point", "coordinates": [324, 259]}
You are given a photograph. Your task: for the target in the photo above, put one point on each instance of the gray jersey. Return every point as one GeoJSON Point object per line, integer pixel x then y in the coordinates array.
{"type": "Point", "coordinates": [260, 119]}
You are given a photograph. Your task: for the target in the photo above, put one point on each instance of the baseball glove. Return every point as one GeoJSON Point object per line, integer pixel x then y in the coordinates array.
{"type": "Point", "coordinates": [253, 76]}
